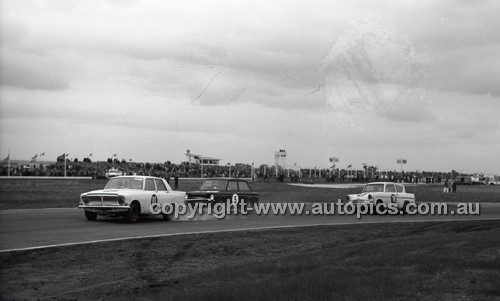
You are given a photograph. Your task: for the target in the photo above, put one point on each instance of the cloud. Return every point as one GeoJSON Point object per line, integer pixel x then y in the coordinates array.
{"type": "Point", "coordinates": [242, 79]}
{"type": "Point", "coordinates": [372, 68]}
{"type": "Point", "coordinates": [34, 73]}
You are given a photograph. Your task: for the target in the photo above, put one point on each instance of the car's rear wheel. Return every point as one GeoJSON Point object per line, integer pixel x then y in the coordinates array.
{"type": "Point", "coordinates": [251, 205]}
{"type": "Point", "coordinates": [132, 215]}
{"type": "Point", "coordinates": [248, 206]}
{"type": "Point", "coordinates": [168, 217]}
{"type": "Point", "coordinates": [405, 208]}
{"type": "Point", "coordinates": [91, 216]}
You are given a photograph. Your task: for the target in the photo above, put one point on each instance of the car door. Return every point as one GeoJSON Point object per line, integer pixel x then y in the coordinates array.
{"type": "Point", "coordinates": [390, 194]}
{"type": "Point", "coordinates": [162, 192]}
{"type": "Point", "coordinates": [400, 195]}
{"type": "Point", "coordinates": [232, 192]}
{"type": "Point", "coordinates": [245, 193]}
{"type": "Point", "coordinates": [150, 195]}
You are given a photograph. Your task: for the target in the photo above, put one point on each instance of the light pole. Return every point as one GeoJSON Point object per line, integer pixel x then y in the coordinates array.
{"type": "Point", "coordinates": [401, 161]}
{"type": "Point", "coordinates": [189, 161]}
{"type": "Point", "coordinates": [333, 160]}
{"type": "Point", "coordinates": [64, 157]}
{"type": "Point", "coordinates": [229, 165]}
{"type": "Point", "coordinates": [374, 168]}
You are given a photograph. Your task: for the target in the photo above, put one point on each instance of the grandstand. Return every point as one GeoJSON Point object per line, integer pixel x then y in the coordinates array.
{"type": "Point", "coordinates": [200, 159]}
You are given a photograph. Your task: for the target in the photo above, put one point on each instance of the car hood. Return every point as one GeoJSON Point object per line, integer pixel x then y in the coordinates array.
{"type": "Point", "coordinates": [196, 192]}
{"type": "Point", "coordinates": [217, 192]}
{"type": "Point", "coordinates": [111, 191]}
{"type": "Point", "coordinates": [359, 194]}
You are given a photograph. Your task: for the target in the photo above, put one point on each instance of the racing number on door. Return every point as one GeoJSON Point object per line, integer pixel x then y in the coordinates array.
{"type": "Point", "coordinates": [235, 199]}
{"type": "Point", "coordinates": [394, 198]}
{"type": "Point", "coordinates": [154, 199]}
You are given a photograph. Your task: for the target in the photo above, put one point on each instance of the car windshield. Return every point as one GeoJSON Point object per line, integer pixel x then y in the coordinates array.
{"type": "Point", "coordinates": [214, 185]}
{"type": "Point", "coordinates": [124, 183]}
{"type": "Point", "coordinates": [374, 188]}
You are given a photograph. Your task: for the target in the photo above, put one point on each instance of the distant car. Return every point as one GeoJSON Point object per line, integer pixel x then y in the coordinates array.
{"type": "Point", "coordinates": [494, 182]}
{"type": "Point", "coordinates": [113, 172]}
{"type": "Point", "coordinates": [222, 190]}
{"type": "Point", "coordinates": [130, 197]}
{"type": "Point", "coordinates": [383, 192]}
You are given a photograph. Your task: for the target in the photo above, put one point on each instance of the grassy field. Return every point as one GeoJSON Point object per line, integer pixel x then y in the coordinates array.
{"type": "Point", "coordinates": [407, 261]}
{"type": "Point", "coordinates": [397, 261]}
{"type": "Point", "coordinates": [47, 193]}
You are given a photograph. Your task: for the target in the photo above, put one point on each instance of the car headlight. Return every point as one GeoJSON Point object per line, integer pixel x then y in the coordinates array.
{"type": "Point", "coordinates": [212, 198]}
{"type": "Point", "coordinates": [85, 199]}
{"type": "Point", "coordinates": [121, 200]}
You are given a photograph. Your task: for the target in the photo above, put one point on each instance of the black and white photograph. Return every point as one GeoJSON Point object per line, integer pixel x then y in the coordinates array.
{"type": "Point", "coordinates": [249, 150]}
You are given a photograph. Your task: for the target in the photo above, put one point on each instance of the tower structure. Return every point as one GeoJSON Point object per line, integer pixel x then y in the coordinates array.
{"type": "Point", "coordinates": [280, 159]}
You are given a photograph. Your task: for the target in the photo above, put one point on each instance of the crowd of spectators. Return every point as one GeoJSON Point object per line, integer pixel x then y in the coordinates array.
{"type": "Point", "coordinates": [350, 175]}
{"type": "Point", "coordinates": [98, 170]}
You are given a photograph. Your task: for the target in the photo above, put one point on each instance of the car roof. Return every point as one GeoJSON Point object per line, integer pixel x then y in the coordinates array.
{"type": "Point", "coordinates": [224, 178]}
{"type": "Point", "coordinates": [384, 183]}
{"type": "Point", "coordinates": [132, 176]}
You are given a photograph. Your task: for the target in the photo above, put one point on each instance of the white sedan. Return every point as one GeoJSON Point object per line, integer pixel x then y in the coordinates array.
{"type": "Point", "coordinates": [383, 193]}
{"type": "Point", "coordinates": [130, 197]}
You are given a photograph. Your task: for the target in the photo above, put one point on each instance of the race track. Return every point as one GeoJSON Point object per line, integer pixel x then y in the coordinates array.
{"type": "Point", "coordinates": [37, 228]}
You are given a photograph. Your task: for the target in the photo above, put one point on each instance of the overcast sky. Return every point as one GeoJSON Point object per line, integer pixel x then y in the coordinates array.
{"type": "Point", "coordinates": [364, 81]}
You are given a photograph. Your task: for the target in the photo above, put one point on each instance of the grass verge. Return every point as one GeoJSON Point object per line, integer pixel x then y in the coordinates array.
{"type": "Point", "coordinates": [398, 261]}
{"type": "Point", "coordinates": [41, 193]}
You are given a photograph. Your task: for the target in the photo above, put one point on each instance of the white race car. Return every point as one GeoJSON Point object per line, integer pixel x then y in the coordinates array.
{"type": "Point", "coordinates": [129, 196]}
{"type": "Point", "coordinates": [383, 192]}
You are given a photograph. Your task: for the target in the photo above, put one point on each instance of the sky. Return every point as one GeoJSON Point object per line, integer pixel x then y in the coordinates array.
{"type": "Point", "coordinates": [363, 81]}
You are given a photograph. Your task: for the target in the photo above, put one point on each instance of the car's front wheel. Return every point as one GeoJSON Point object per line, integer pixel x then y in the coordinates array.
{"type": "Point", "coordinates": [132, 215]}
{"type": "Point", "coordinates": [379, 207]}
{"type": "Point", "coordinates": [91, 216]}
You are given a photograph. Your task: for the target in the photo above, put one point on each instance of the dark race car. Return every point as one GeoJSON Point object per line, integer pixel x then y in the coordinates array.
{"type": "Point", "coordinates": [223, 190]}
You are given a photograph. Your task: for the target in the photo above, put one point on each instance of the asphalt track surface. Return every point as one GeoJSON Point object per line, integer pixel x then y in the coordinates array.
{"type": "Point", "coordinates": [42, 228]}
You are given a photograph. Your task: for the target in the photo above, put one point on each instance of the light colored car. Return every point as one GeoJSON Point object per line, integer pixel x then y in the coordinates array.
{"type": "Point", "coordinates": [113, 172]}
{"type": "Point", "coordinates": [383, 192]}
{"type": "Point", "coordinates": [130, 197]}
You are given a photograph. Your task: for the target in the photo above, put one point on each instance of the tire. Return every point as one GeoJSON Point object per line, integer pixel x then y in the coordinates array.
{"type": "Point", "coordinates": [376, 205]}
{"type": "Point", "coordinates": [224, 212]}
{"type": "Point", "coordinates": [250, 206]}
{"type": "Point", "coordinates": [168, 217]}
{"type": "Point", "coordinates": [91, 216]}
{"type": "Point", "coordinates": [132, 215]}
{"type": "Point", "coordinates": [405, 208]}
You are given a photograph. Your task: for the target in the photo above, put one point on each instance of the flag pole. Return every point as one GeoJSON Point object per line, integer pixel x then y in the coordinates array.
{"type": "Point", "coordinates": [8, 164]}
